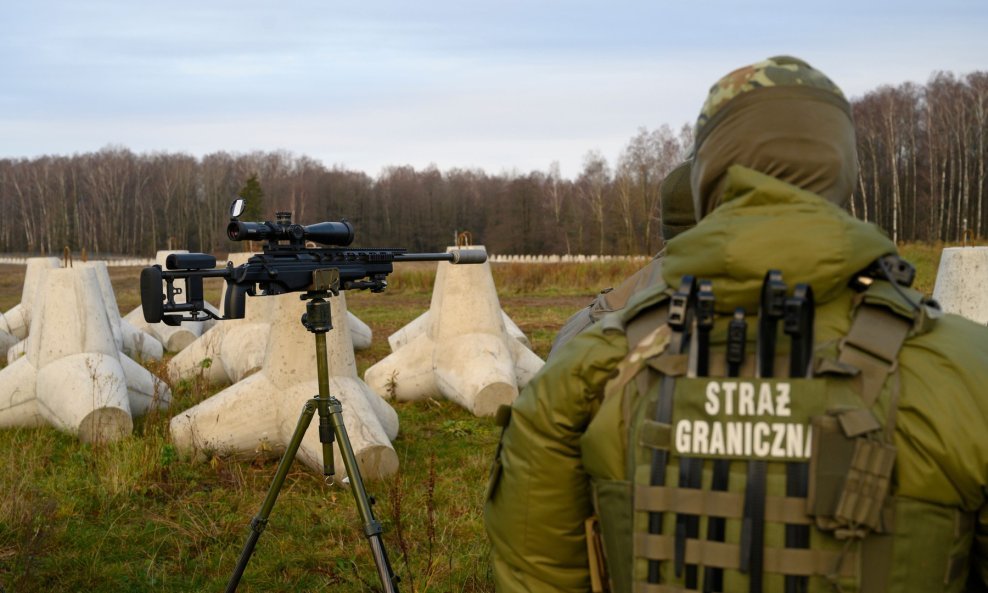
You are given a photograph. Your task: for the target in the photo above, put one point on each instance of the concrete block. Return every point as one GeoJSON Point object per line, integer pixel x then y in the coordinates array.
{"type": "Point", "coordinates": [464, 348]}
{"type": "Point", "coordinates": [260, 412]}
{"type": "Point", "coordinates": [128, 338]}
{"type": "Point", "coordinates": [17, 320]}
{"type": "Point", "coordinates": [7, 340]}
{"type": "Point", "coordinates": [18, 395]}
{"type": "Point", "coordinates": [961, 281]}
{"type": "Point", "coordinates": [16, 351]}
{"type": "Point", "coordinates": [72, 374]}
{"type": "Point", "coordinates": [421, 323]}
{"type": "Point", "coordinates": [86, 394]}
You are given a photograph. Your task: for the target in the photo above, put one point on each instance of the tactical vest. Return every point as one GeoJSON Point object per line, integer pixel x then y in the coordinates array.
{"type": "Point", "coordinates": [608, 301]}
{"type": "Point", "coordinates": [740, 483]}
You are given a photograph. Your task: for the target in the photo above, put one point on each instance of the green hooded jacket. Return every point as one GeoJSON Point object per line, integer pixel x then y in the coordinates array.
{"type": "Point", "coordinates": [563, 435]}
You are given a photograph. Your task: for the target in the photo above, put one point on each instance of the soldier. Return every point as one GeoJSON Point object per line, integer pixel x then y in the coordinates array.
{"type": "Point", "coordinates": [684, 460]}
{"type": "Point", "coordinates": [677, 216]}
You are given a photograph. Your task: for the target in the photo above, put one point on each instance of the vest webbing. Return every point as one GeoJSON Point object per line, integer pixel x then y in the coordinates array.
{"type": "Point", "coordinates": [871, 346]}
{"type": "Point", "coordinates": [799, 562]}
{"type": "Point", "coordinates": [680, 311]}
{"type": "Point", "coordinates": [713, 503]}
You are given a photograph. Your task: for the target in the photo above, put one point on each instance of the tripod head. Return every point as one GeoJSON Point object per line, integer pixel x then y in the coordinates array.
{"type": "Point", "coordinates": [286, 264]}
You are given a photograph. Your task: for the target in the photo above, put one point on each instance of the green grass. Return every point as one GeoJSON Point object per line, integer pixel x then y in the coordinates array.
{"type": "Point", "coordinates": [926, 258]}
{"type": "Point", "coordinates": [137, 515]}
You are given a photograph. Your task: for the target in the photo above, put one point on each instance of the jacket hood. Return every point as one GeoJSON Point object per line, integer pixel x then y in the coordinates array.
{"type": "Point", "coordinates": [803, 136]}
{"type": "Point", "coordinates": [677, 201]}
{"type": "Point", "coordinates": [764, 224]}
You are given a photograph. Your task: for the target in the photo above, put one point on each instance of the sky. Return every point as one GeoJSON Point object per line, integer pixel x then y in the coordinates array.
{"type": "Point", "coordinates": [503, 86]}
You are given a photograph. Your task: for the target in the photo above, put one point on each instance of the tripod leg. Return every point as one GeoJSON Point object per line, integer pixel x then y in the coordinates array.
{"type": "Point", "coordinates": [372, 528]}
{"type": "Point", "coordinates": [259, 522]}
{"type": "Point", "coordinates": [317, 320]}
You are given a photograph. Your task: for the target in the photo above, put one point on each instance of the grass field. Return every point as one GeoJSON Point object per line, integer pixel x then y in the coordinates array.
{"type": "Point", "coordinates": [136, 515]}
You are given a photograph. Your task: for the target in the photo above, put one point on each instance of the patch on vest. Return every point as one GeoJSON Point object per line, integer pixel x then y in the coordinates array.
{"type": "Point", "coordinates": [744, 418]}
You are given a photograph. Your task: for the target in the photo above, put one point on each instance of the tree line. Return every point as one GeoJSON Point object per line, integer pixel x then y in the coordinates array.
{"type": "Point", "coordinates": [922, 152]}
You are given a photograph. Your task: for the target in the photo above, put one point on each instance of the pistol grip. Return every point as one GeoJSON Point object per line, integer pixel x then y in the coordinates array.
{"type": "Point", "coordinates": [235, 301]}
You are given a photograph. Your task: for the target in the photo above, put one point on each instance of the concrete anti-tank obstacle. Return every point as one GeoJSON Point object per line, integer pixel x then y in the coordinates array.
{"type": "Point", "coordinates": [173, 337]}
{"type": "Point", "coordinates": [261, 411]}
{"type": "Point", "coordinates": [17, 320]}
{"type": "Point", "coordinates": [73, 375]}
{"type": "Point", "coordinates": [421, 324]}
{"type": "Point", "coordinates": [960, 284]}
{"type": "Point", "coordinates": [131, 341]}
{"type": "Point", "coordinates": [235, 348]}
{"type": "Point", "coordinates": [7, 340]}
{"type": "Point", "coordinates": [230, 350]}
{"type": "Point", "coordinates": [461, 348]}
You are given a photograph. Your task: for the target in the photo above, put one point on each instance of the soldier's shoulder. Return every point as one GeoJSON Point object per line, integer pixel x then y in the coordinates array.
{"type": "Point", "coordinates": [645, 303]}
{"type": "Point", "coordinates": [938, 343]}
{"type": "Point", "coordinates": [957, 335]}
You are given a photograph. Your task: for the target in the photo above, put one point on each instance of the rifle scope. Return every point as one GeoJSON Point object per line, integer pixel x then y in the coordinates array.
{"type": "Point", "coordinates": [337, 234]}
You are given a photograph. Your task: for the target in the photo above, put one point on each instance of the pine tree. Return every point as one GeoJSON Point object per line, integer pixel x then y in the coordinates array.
{"type": "Point", "coordinates": [254, 195]}
{"type": "Point", "coordinates": [254, 208]}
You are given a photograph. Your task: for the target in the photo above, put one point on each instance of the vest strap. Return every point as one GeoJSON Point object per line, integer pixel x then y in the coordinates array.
{"type": "Point", "coordinates": [641, 587]}
{"type": "Point", "coordinates": [669, 364]}
{"type": "Point", "coordinates": [713, 503]}
{"type": "Point", "coordinates": [658, 588]}
{"type": "Point", "coordinates": [786, 561]}
{"type": "Point", "coordinates": [857, 422]}
{"type": "Point", "coordinates": [872, 345]}
{"type": "Point", "coordinates": [655, 435]}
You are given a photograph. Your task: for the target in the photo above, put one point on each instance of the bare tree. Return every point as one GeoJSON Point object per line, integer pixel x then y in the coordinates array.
{"type": "Point", "coordinates": [555, 197]}
{"type": "Point", "coordinates": [593, 184]}
{"type": "Point", "coordinates": [922, 176]}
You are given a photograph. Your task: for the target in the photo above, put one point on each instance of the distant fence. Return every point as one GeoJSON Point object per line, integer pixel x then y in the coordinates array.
{"type": "Point", "coordinates": [110, 261]}
{"type": "Point", "coordinates": [497, 259]}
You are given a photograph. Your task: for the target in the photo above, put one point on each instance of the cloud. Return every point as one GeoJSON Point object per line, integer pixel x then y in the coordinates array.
{"type": "Point", "coordinates": [506, 84]}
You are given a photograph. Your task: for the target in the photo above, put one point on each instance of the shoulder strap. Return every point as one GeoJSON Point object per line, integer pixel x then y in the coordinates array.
{"type": "Point", "coordinates": [880, 327]}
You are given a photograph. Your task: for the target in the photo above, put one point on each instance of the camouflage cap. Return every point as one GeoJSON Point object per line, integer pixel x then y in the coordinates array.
{"type": "Point", "coordinates": [778, 71]}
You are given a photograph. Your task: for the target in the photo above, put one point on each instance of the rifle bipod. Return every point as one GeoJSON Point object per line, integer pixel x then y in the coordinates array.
{"type": "Point", "coordinates": [317, 320]}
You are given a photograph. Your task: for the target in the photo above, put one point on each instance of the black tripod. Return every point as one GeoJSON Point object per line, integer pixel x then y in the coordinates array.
{"type": "Point", "coordinates": [318, 320]}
